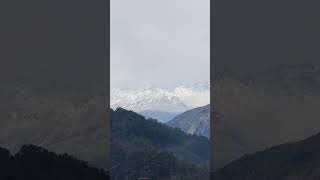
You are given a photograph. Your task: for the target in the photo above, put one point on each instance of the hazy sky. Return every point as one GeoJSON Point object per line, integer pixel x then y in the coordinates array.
{"type": "Point", "coordinates": [159, 42]}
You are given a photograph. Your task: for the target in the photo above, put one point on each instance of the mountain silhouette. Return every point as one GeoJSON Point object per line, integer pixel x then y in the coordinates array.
{"type": "Point", "coordinates": [290, 161]}
{"type": "Point", "coordinates": [264, 109]}
{"type": "Point", "coordinates": [53, 77]}
{"type": "Point", "coordinates": [36, 163]}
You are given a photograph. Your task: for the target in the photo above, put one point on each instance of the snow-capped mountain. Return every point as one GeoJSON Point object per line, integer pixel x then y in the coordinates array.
{"type": "Point", "coordinates": [154, 99]}
{"type": "Point", "coordinates": [195, 95]}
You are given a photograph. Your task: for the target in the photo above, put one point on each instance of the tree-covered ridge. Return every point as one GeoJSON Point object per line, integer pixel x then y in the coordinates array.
{"type": "Point", "coordinates": [145, 148]}
{"type": "Point", "coordinates": [290, 161]}
{"type": "Point", "coordinates": [35, 163]}
{"type": "Point", "coordinates": [263, 109]}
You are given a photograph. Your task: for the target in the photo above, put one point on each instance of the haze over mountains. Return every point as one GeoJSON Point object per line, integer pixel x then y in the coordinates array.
{"type": "Point", "coordinates": [260, 110]}
{"type": "Point", "coordinates": [160, 103]}
{"type": "Point", "coordinates": [264, 93]}
{"type": "Point", "coordinates": [53, 77]}
{"type": "Point", "coordinates": [64, 123]}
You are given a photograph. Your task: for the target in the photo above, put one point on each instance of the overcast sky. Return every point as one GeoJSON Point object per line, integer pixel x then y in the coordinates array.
{"type": "Point", "coordinates": [159, 42]}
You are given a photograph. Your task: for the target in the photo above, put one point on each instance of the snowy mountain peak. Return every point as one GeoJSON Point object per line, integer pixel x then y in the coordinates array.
{"type": "Point", "coordinates": [151, 98]}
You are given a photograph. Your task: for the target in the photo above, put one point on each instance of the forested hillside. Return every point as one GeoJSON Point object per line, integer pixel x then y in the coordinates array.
{"type": "Point", "coordinates": [291, 161]}
{"type": "Point", "coordinates": [35, 163]}
{"type": "Point", "coordinates": [145, 148]}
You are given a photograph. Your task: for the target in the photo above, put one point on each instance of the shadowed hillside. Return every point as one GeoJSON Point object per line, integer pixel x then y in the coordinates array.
{"type": "Point", "coordinates": [265, 75]}
{"type": "Point", "coordinates": [36, 163]}
{"type": "Point", "coordinates": [53, 77]}
{"type": "Point", "coordinates": [292, 161]}
{"type": "Point", "coordinates": [63, 123]}
{"type": "Point", "coordinates": [144, 147]}
{"type": "Point", "coordinates": [264, 109]}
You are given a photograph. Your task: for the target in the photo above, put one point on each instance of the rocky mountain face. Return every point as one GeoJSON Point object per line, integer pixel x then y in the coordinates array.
{"type": "Point", "coordinates": [146, 148]}
{"type": "Point", "coordinates": [159, 103]}
{"type": "Point", "coordinates": [260, 110]}
{"type": "Point", "coordinates": [291, 161]}
{"type": "Point", "coordinates": [195, 121]}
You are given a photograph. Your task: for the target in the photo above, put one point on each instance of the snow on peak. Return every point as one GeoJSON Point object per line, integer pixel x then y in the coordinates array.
{"type": "Point", "coordinates": [151, 98]}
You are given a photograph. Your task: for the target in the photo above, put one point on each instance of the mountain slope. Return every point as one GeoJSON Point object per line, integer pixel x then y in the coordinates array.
{"type": "Point", "coordinates": [142, 147]}
{"type": "Point", "coordinates": [195, 121]}
{"type": "Point", "coordinates": [72, 123]}
{"type": "Point", "coordinates": [167, 101]}
{"type": "Point", "coordinates": [36, 163]}
{"type": "Point", "coordinates": [161, 116]}
{"type": "Point", "coordinates": [291, 161]}
{"type": "Point", "coordinates": [282, 100]}
{"type": "Point", "coordinates": [51, 84]}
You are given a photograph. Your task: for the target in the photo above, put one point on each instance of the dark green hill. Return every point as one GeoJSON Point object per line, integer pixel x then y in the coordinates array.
{"type": "Point", "coordinates": [264, 109]}
{"type": "Point", "coordinates": [145, 148]}
{"type": "Point", "coordinates": [291, 161]}
{"type": "Point", "coordinates": [35, 163]}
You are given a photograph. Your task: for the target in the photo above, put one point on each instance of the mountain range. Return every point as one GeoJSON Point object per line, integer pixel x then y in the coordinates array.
{"type": "Point", "coordinates": [161, 103]}
{"type": "Point", "coordinates": [146, 148]}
